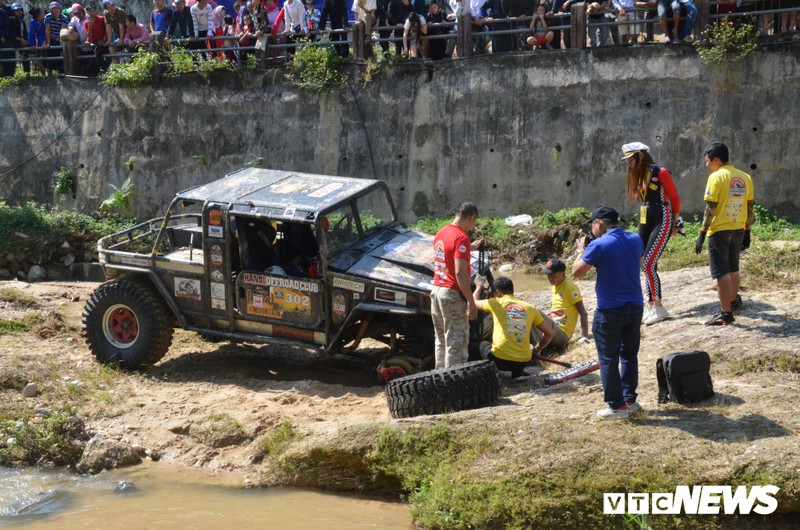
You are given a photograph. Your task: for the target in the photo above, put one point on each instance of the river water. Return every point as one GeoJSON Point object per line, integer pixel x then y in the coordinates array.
{"type": "Point", "coordinates": [160, 496]}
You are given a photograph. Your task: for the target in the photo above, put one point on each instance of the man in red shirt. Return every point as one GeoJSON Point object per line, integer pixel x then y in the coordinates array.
{"type": "Point", "coordinates": [452, 305]}
{"type": "Point", "coordinates": [96, 35]}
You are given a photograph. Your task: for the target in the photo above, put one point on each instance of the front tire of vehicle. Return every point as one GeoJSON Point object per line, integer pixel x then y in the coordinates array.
{"type": "Point", "coordinates": [464, 386]}
{"type": "Point", "coordinates": [126, 322]}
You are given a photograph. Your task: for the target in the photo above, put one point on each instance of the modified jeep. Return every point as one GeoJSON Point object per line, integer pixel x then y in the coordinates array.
{"type": "Point", "coordinates": [268, 256]}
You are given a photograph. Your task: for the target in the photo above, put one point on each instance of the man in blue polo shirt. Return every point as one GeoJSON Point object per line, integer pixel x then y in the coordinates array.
{"type": "Point", "coordinates": [617, 256]}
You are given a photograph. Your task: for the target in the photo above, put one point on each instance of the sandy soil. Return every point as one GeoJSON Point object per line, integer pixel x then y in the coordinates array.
{"type": "Point", "coordinates": [752, 419]}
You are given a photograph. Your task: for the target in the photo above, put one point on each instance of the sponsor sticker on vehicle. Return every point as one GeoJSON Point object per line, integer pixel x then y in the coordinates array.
{"type": "Point", "coordinates": [216, 231]}
{"type": "Point", "coordinates": [387, 295]}
{"type": "Point", "coordinates": [217, 276]}
{"type": "Point", "coordinates": [187, 288]}
{"type": "Point", "coordinates": [349, 285]}
{"type": "Point", "coordinates": [216, 254]}
{"type": "Point", "coordinates": [217, 290]}
{"type": "Point", "coordinates": [218, 303]}
{"type": "Point", "coordinates": [141, 262]}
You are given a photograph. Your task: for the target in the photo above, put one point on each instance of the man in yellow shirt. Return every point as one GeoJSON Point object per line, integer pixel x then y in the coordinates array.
{"type": "Point", "coordinates": [513, 321]}
{"type": "Point", "coordinates": [566, 304]}
{"type": "Point", "coordinates": [728, 216]}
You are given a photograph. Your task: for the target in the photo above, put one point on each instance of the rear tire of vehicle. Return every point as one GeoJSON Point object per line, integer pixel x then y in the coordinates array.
{"type": "Point", "coordinates": [465, 386]}
{"type": "Point", "coordinates": [126, 322]}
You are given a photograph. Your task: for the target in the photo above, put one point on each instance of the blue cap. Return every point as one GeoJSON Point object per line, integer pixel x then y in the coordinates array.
{"type": "Point", "coordinates": [16, 6]}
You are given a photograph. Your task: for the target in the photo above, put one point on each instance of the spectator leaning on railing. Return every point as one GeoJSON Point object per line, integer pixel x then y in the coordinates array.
{"type": "Point", "coordinates": [437, 48]}
{"type": "Point", "coordinates": [398, 13]}
{"type": "Point", "coordinates": [625, 10]}
{"type": "Point", "coordinates": [181, 26]}
{"type": "Point", "coordinates": [311, 18]}
{"type": "Point", "coordinates": [17, 34]}
{"type": "Point", "coordinates": [136, 34]}
{"type": "Point", "coordinates": [364, 11]}
{"type": "Point", "coordinates": [293, 17]}
{"type": "Point", "coordinates": [96, 35]}
{"type": "Point", "coordinates": [595, 13]}
{"type": "Point", "coordinates": [54, 20]}
{"type": "Point", "coordinates": [116, 20]}
{"type": "Point", "coordinates": [161, 16]}
{"type": "Point", "coordinates": [478, 15]}
{"type": "Point", "coordinates": [36, 33]}
{"type": "Point", "coordinates": [7, 69]}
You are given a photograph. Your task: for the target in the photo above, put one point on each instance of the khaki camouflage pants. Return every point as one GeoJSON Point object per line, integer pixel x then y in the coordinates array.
{"type": "Point", "coordinates": [451, 324]}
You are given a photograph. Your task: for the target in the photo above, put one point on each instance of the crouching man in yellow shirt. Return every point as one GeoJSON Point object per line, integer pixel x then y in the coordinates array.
{"type": "Point", "coordinates": [513, 321]}
{"type": "Point", "coordinates": [566, 305]}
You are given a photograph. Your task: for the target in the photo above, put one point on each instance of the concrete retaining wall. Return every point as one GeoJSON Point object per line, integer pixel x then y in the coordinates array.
{"type": "Point", "coordinates": [517, 133]}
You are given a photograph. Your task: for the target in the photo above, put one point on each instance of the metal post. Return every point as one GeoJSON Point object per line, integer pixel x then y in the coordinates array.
{"type": "Point", "coordinates": [577, 25]}
{"type": "Point", "coordinates": [464, 36]}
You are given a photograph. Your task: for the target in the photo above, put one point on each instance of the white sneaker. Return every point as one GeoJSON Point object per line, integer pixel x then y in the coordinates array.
{"type": "Point", "coordinates": [647, 314]}
{"type": "Point", "coordinates": [608, 412]}
{"type": "Point", "coordinates": [658, 314]}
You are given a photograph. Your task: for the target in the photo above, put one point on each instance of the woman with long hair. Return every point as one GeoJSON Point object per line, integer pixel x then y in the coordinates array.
{"type": "Point", "coordinates": [652, 186]}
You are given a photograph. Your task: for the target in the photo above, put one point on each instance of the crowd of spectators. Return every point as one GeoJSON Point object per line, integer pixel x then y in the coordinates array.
{"type": "Point", "coordinates": [233, 29]}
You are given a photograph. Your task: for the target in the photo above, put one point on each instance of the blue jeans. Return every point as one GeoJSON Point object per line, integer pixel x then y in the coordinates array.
{"type": "Point", "coordinates": [616, 336]}
{"type": "Point", "coordinates": [691, 15]}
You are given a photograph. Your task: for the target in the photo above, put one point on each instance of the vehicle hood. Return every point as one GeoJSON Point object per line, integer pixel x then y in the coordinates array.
{"type": "Point", "coordinates": [406, 259]}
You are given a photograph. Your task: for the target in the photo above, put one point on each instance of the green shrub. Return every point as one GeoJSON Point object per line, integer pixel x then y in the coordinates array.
{"type": "Point", "coordinates": [726, 41]}
{"type": "Point", "coordinates": [316, 68]}
{"type": "Point", "coordinates": [18, 224]}
{"type": "Point", "coordinates": [120, 199]}
{"type": "Point", "coordinates": [66, 181]}
{"type": "Point", "coordinates": [137, 71]}
{"type": "Point", "coordinates": [573, 216]}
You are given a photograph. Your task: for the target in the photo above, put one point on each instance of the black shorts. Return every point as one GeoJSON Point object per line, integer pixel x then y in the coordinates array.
{"type": "Point", "coordinates": [723, 252]}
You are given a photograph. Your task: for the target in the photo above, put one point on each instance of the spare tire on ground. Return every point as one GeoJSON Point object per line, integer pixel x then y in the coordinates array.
{"type": "Point", "coordinates": [465, 386]}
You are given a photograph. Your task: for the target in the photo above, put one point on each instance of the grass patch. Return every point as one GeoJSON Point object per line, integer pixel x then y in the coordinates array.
{"type": "Point", "coordinates": [10, 325]}
{"type": "Point", "coordinates": [454, 478]}
{"type": "Point", "coordinates": [18, 298]}
{"type": "Point", "coordinates": [218, 430]}
{"type": "Point", "coordinates": [55, 439]}
{"type": "Point", "coordinates": [767, 362]}
{"type": "Point", "coordinates": [278, 440]}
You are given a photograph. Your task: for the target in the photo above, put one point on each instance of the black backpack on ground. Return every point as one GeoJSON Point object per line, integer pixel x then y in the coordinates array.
{"type": "Point", "coordinates": [684, 377]}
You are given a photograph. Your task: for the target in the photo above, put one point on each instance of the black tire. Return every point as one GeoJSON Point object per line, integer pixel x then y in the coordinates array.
{"type": "Point", "coordinates": [126, 322]}
{"type": "Point", "coordinates": [465, 386]}
{"type": "Point", "coordinates": [415, 337]}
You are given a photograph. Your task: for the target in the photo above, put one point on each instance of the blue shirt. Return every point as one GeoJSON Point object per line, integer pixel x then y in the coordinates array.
{"type": "Point", "coordinates": [617, 256]}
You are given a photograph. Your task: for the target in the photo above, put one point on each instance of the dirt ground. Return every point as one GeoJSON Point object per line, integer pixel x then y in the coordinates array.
{"type": "Point", "coordinates": [752, 421]}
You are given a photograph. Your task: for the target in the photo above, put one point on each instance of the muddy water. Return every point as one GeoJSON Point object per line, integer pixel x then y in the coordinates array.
{"type": "Point", "coordinates": [525, 283]}
{"type": "Point", "coordinates": [163, 497]}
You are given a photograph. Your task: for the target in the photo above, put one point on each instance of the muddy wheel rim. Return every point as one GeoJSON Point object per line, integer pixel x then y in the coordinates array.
{"type": "Point", "coordinates": [120, 326]}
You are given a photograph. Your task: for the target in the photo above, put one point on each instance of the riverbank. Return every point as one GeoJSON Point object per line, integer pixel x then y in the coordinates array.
{"type": "Point", "coordinates": [539, 457]}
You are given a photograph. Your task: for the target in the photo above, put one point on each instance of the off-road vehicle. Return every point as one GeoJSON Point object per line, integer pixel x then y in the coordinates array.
{"type": "Point", "coordinates": [267, 256]}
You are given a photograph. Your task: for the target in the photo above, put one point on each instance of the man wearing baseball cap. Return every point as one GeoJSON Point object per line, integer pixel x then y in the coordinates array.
{"type": "Point", "coordinates": [566, 304]}
{"type": "Point", "coordinates": [617, 256]}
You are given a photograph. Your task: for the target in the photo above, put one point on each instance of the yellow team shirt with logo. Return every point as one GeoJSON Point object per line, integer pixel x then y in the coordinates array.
{"type": "Point", "coordinates": [513, 319]}
{"type": "Point", "coordinates": [730, 189]}
{"type": "Point", "coordinates": [563, 298]}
